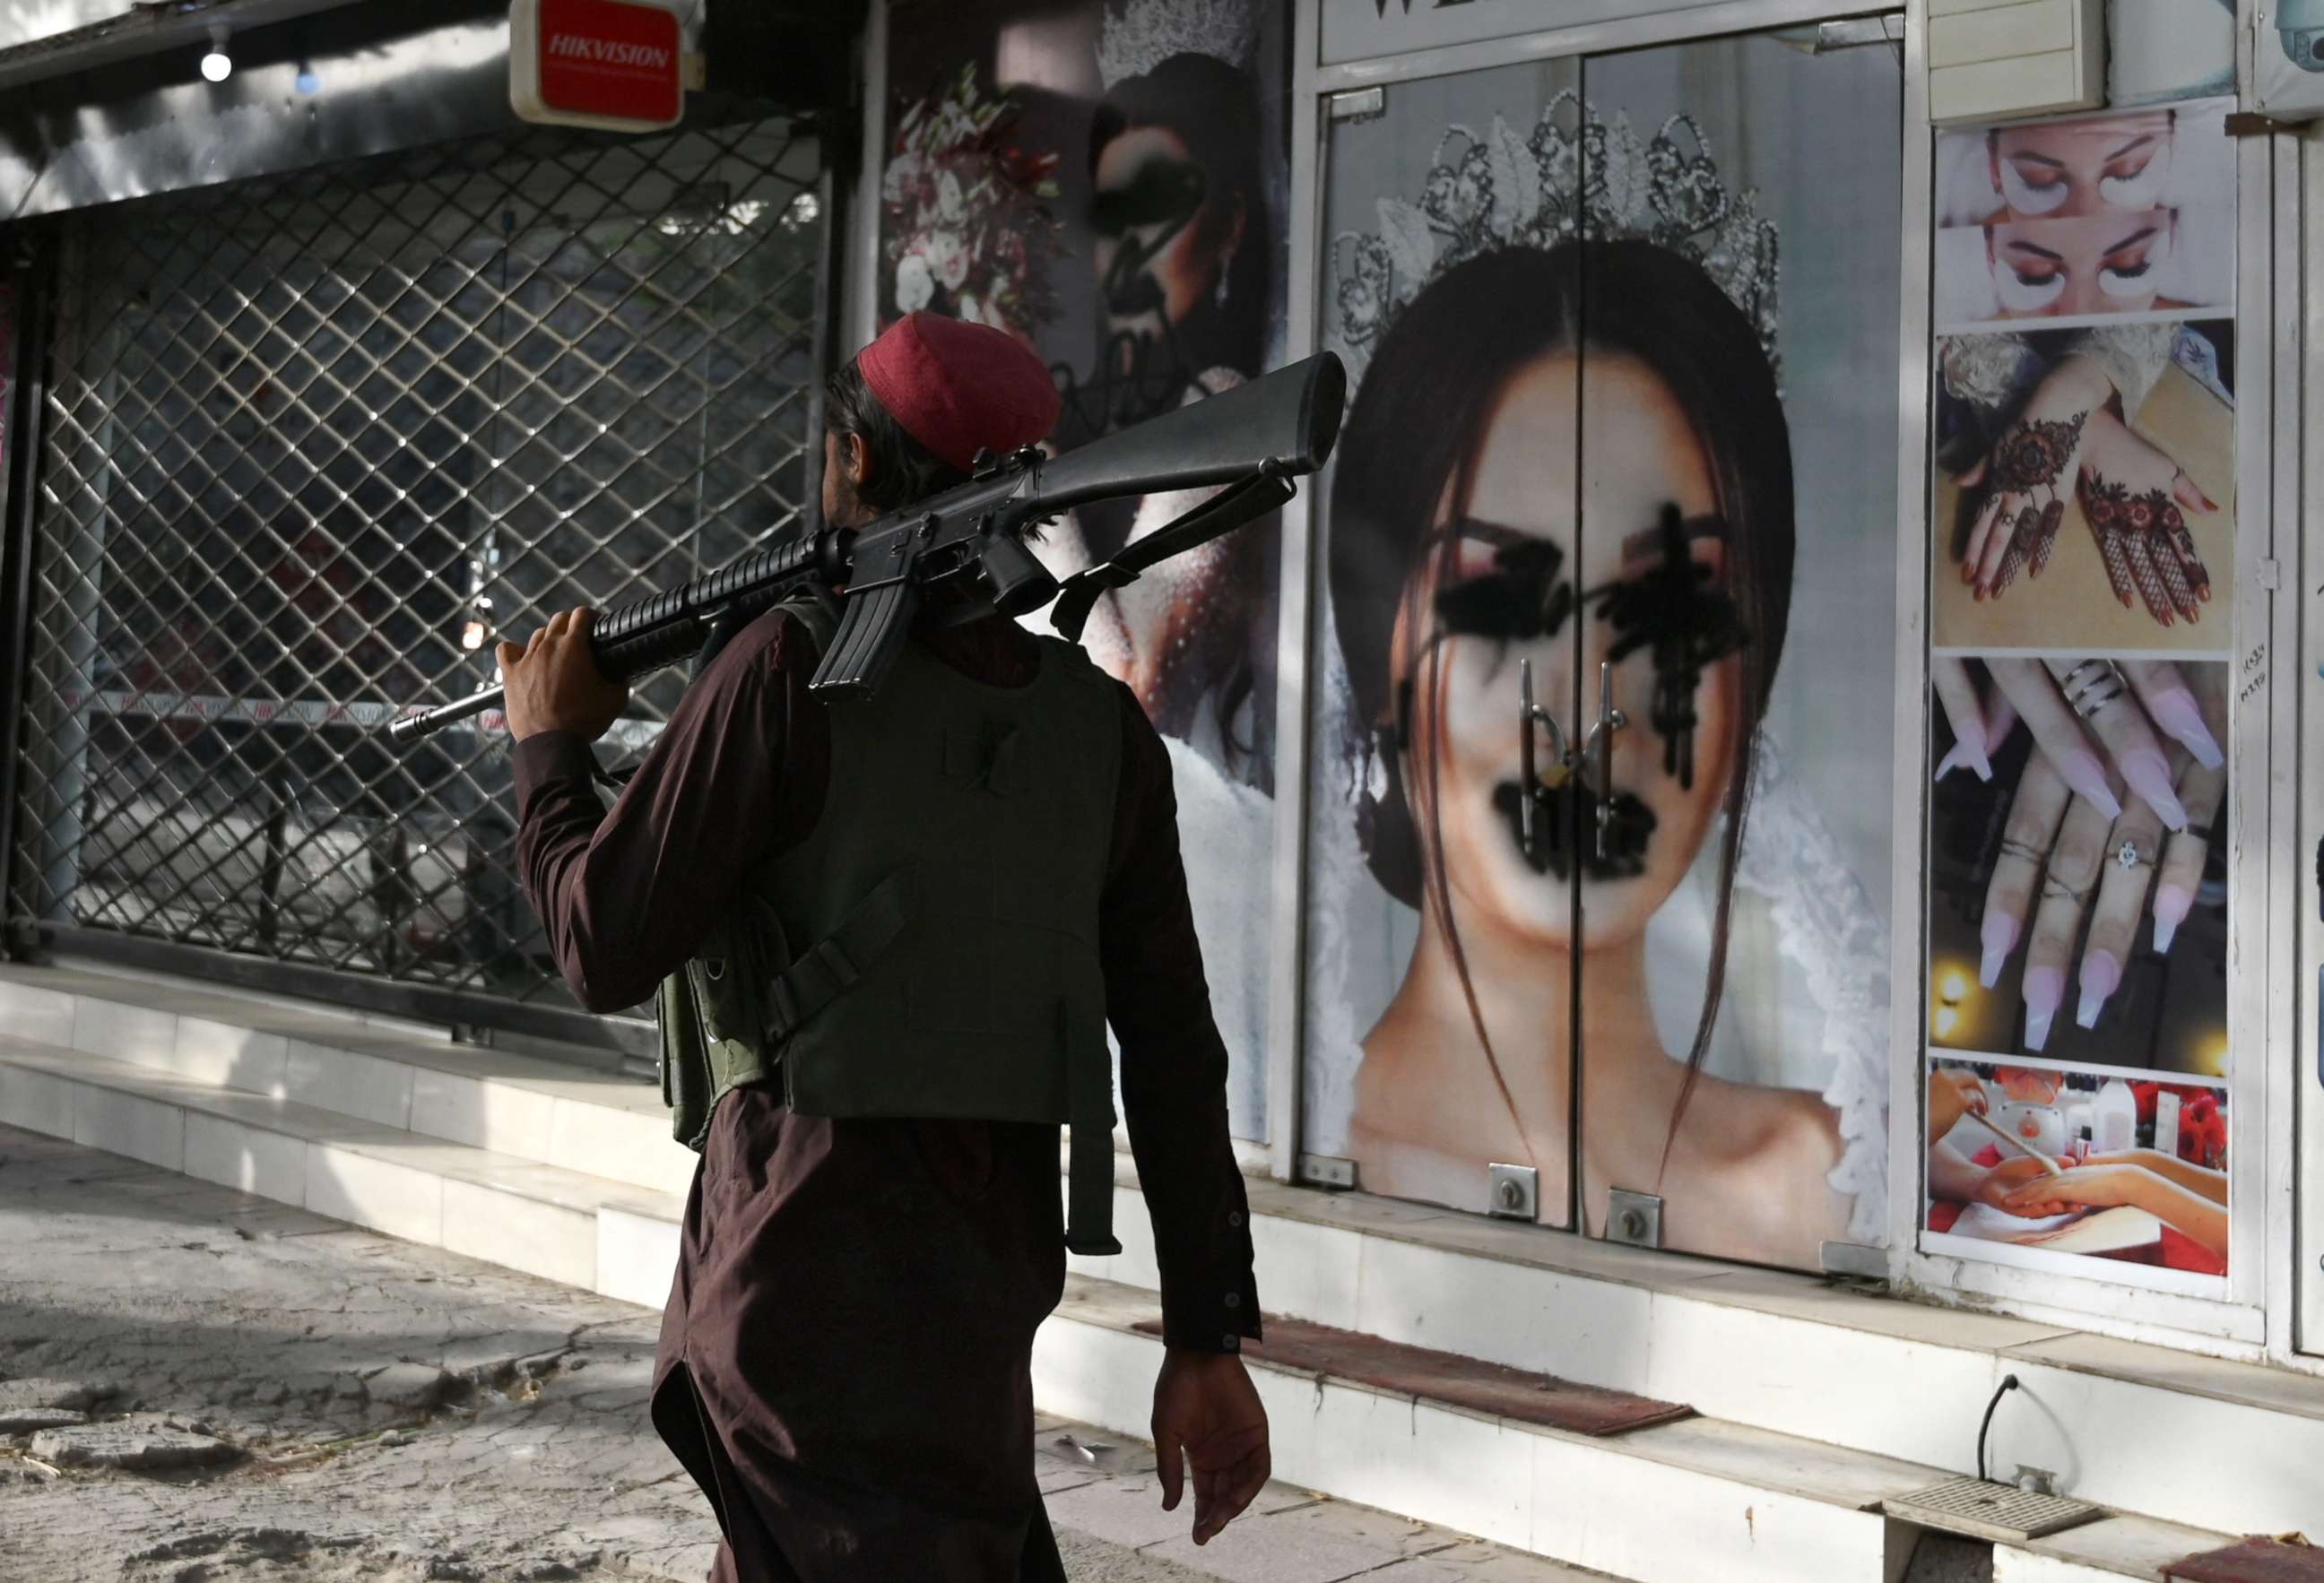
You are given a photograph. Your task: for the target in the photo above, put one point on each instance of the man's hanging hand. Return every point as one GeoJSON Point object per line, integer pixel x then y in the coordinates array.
{"type": "Point", "coordinates": [1207, 1417]}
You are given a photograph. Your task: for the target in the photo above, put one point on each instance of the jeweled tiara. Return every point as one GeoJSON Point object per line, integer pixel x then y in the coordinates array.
{"type": "Point", "coordinates": [1574, 175]}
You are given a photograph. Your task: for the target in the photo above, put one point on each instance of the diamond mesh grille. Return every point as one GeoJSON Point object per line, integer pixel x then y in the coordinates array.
{"type": "Point", "coordinates": [309, 443]}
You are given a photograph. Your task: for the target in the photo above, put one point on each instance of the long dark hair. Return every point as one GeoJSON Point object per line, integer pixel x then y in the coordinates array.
{"type": "Point", "coordinates": [1212, 107]}
{"type": "Point", "coordinates": [1419, 422]}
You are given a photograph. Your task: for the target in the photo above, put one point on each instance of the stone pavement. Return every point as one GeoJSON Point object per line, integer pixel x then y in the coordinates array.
{"type": "Point", "coordinates": [201, 1386]}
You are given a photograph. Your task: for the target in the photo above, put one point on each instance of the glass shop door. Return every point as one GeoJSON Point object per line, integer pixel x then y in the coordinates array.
{"type": "Point", "coordinates": [1440, 1060]}
{"type": "Point", "coordinates": [1601, 858]}
{"type": "Point", "coordinates": [1739, 400]}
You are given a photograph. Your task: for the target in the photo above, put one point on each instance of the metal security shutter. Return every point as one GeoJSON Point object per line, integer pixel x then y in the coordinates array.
{"type": "Point", "coordinates": [310, 444]}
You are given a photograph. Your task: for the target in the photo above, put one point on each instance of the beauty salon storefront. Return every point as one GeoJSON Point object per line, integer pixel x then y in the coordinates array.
{"type": "Point", "coordinates": [1767, 742]}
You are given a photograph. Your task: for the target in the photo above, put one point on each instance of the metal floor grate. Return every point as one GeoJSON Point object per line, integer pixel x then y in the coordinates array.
{"type": "Point", "coordinates": [1990, 1511]}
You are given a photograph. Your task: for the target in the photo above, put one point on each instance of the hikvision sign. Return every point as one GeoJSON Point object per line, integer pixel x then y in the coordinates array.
{"type": "Point", "coordinates": [612, 52]}
{"type": "Point", "coordinates": [614, 64]}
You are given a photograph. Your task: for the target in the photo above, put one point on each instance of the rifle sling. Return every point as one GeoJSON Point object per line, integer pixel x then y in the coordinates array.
{"type": "Point", "coordinates": [1224, 511]}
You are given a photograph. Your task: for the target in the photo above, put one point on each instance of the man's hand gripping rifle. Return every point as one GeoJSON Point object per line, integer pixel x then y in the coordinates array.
{"type": "Point", "coordinates": [1254, 439]}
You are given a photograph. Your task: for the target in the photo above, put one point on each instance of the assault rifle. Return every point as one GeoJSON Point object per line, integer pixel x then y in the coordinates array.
{"type": "Point", "coordinates": [1254, 439]}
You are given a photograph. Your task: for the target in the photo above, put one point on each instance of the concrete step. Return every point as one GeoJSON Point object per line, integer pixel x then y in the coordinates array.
{"type": "Point", "coordinates": [1676, 1503]}
{"type": "Point", "coordinates": [597, 1122]}
{"type": "Point", "coordinates": [2215, 1442]}
{"type": "Point", "coordinates": [605, 1236]}
{"type": "Point", "coordinates": [2218, 1443]}
{"type": "Point", "coordinates": [1689, 1501]}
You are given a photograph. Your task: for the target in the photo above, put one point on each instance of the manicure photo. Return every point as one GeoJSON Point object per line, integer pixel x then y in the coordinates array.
{"type": "Point", "coordinates": [2078, 892]}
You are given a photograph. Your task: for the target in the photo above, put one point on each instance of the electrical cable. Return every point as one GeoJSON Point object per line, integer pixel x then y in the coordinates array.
{"type": "Point", "coordinates": [2009, 1384]}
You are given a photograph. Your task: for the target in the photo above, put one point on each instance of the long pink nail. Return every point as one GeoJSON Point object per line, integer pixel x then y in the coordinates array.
{"type": "Point", "coordinates": [2172, 903]}
{"type": "Point", "coordinates": [2176, 712]}
{"type": "Point", "coordinates": [2081, 770]}
{"type": "Point", "coordinates": [2102, 977]}
{"type": "Point", "coordinates": [1969, 753]}
{"type": "Point", "coordinates": [2045, 986]}
{"type": "Point", "coordinates": [2150, 776]}
{"type": "Point", "coordinates": [1999, 935]}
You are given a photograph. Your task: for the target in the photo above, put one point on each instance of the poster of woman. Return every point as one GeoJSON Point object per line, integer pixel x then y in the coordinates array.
{"type": "Point", "coordinates": [1609, 444]}
{"type": "Point", "coordinates": [1105, 180]}
{"type": "Point", "coordinates": [2125, 215]}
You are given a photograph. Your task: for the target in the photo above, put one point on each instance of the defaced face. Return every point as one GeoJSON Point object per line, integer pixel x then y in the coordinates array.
{"type": "Point", "coordinates": [1643, 455]}
{"type": "Point", "coordinates": [1158, 246]}
{"type": "Point", "coordinates": [2109, 262]}
{"type": "Point", "coordinates": [2075, 169]}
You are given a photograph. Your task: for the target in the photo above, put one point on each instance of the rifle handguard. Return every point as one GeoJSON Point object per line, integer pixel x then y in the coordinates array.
{"type": "Point", "coordinates": [1251, 440]}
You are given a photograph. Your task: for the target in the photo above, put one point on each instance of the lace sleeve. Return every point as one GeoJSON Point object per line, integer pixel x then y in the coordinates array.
{"type": "Point", "coordinates": [2132, 356]}
{"type": "Point", "coordinates": [1991, 371]}
{"type": "Point", "coordinates": [1827, 928]}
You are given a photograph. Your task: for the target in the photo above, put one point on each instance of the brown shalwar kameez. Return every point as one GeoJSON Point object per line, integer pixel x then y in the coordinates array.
{"type": "Point", "coordinates": [844, 1358]}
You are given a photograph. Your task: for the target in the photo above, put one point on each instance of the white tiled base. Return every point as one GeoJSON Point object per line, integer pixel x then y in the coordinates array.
{"type": "Point", "coordinates": [37, 1101]}
{"type": "Point", "coordinates": [1792, 1354]}
{"type": "Point", "coordinates": [515, 1213]}
{"type": "Point", "coordinates": [234, 1155]}
{"type": "Point", "coordinates": [599, 1202]}
{"type": "Point", "coordinates": [2022, 1566]}
{"type": "Point", "coordinates": [35, 1012]}
{"type": "Point", "coordinates": [332, 1078]}
{"type": "Point", "coordinates": [1691, 1502]}
{"type": "Point", "coordinates": [125, 1124]}
{"type": "Point", "coordinates": [2104, 1551]}
{"type": "Point", "coordinates": [1674, 1505]}
{"type": "Point", "coordinates": [576, 1120]}
{"type": "Point", "coordinates": [637, 1255]}
{"type": "Point", "coordinates": [386, 1197]}
{"type": "Point", "coordinates": [548, 1241]}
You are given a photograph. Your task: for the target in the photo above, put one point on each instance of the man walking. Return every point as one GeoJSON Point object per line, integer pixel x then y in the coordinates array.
{"type": "Point", "coordinates": [949, 885]}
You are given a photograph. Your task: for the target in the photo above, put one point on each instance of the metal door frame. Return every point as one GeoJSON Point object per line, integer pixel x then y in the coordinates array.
{"type": "Point", "coordinates": [2260, 1255]}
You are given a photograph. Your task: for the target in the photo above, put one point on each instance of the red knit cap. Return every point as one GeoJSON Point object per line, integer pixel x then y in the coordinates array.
{"type": "Point", "coordinates": [959, 388]}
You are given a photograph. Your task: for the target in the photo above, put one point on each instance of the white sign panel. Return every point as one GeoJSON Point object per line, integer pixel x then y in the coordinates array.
{"type": "Point", "coordinates": [1359, 29]}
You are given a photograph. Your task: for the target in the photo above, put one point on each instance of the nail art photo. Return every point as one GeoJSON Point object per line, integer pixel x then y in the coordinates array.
{"type": "Point", "coordinates": [2079, 896]}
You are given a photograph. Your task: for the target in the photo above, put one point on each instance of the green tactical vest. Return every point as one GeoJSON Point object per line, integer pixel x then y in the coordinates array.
{"type": "Point", "coordinates": [931, 949]}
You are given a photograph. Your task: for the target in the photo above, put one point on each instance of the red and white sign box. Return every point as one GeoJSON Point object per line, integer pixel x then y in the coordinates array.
{"type": "Point", "coordinates": [612, 64]}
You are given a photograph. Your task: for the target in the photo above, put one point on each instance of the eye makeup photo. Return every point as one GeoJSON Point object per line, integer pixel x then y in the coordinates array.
{"type": "Point", "coordinates": [2084, 219]}
{"type": "Point", "coordinates": [2102, 264]}
{"type": "Point", "coordinates": [2055, 268]}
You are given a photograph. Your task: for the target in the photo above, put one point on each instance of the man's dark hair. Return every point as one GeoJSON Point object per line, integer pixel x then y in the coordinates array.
{"type": "Point", "coordinates": [902, 469]}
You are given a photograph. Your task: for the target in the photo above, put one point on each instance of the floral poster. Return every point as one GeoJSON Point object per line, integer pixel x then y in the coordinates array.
{"type": "Point", "coordinates": [1106, 182]}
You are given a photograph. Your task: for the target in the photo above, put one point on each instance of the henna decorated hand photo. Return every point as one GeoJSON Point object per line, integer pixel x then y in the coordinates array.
{"type": "Point", "coordinates": [2027, 475]}
{"type": "Point", "coordinates": [2017, 526]}
{"type": "Point", "coordinates": [2136, 498]}
{"type": "Point", "coordinates": [2072, 437]}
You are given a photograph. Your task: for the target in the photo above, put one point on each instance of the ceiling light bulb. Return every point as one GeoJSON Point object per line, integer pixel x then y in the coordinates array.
{"type": "Point", "coordinates": [217, 64]}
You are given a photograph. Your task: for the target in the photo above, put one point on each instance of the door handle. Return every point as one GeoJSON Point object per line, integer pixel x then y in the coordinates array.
{"type": "Point", "coordinates": [1600, 744]}
{"type": "Point", "coordinates": [1529, 714]}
